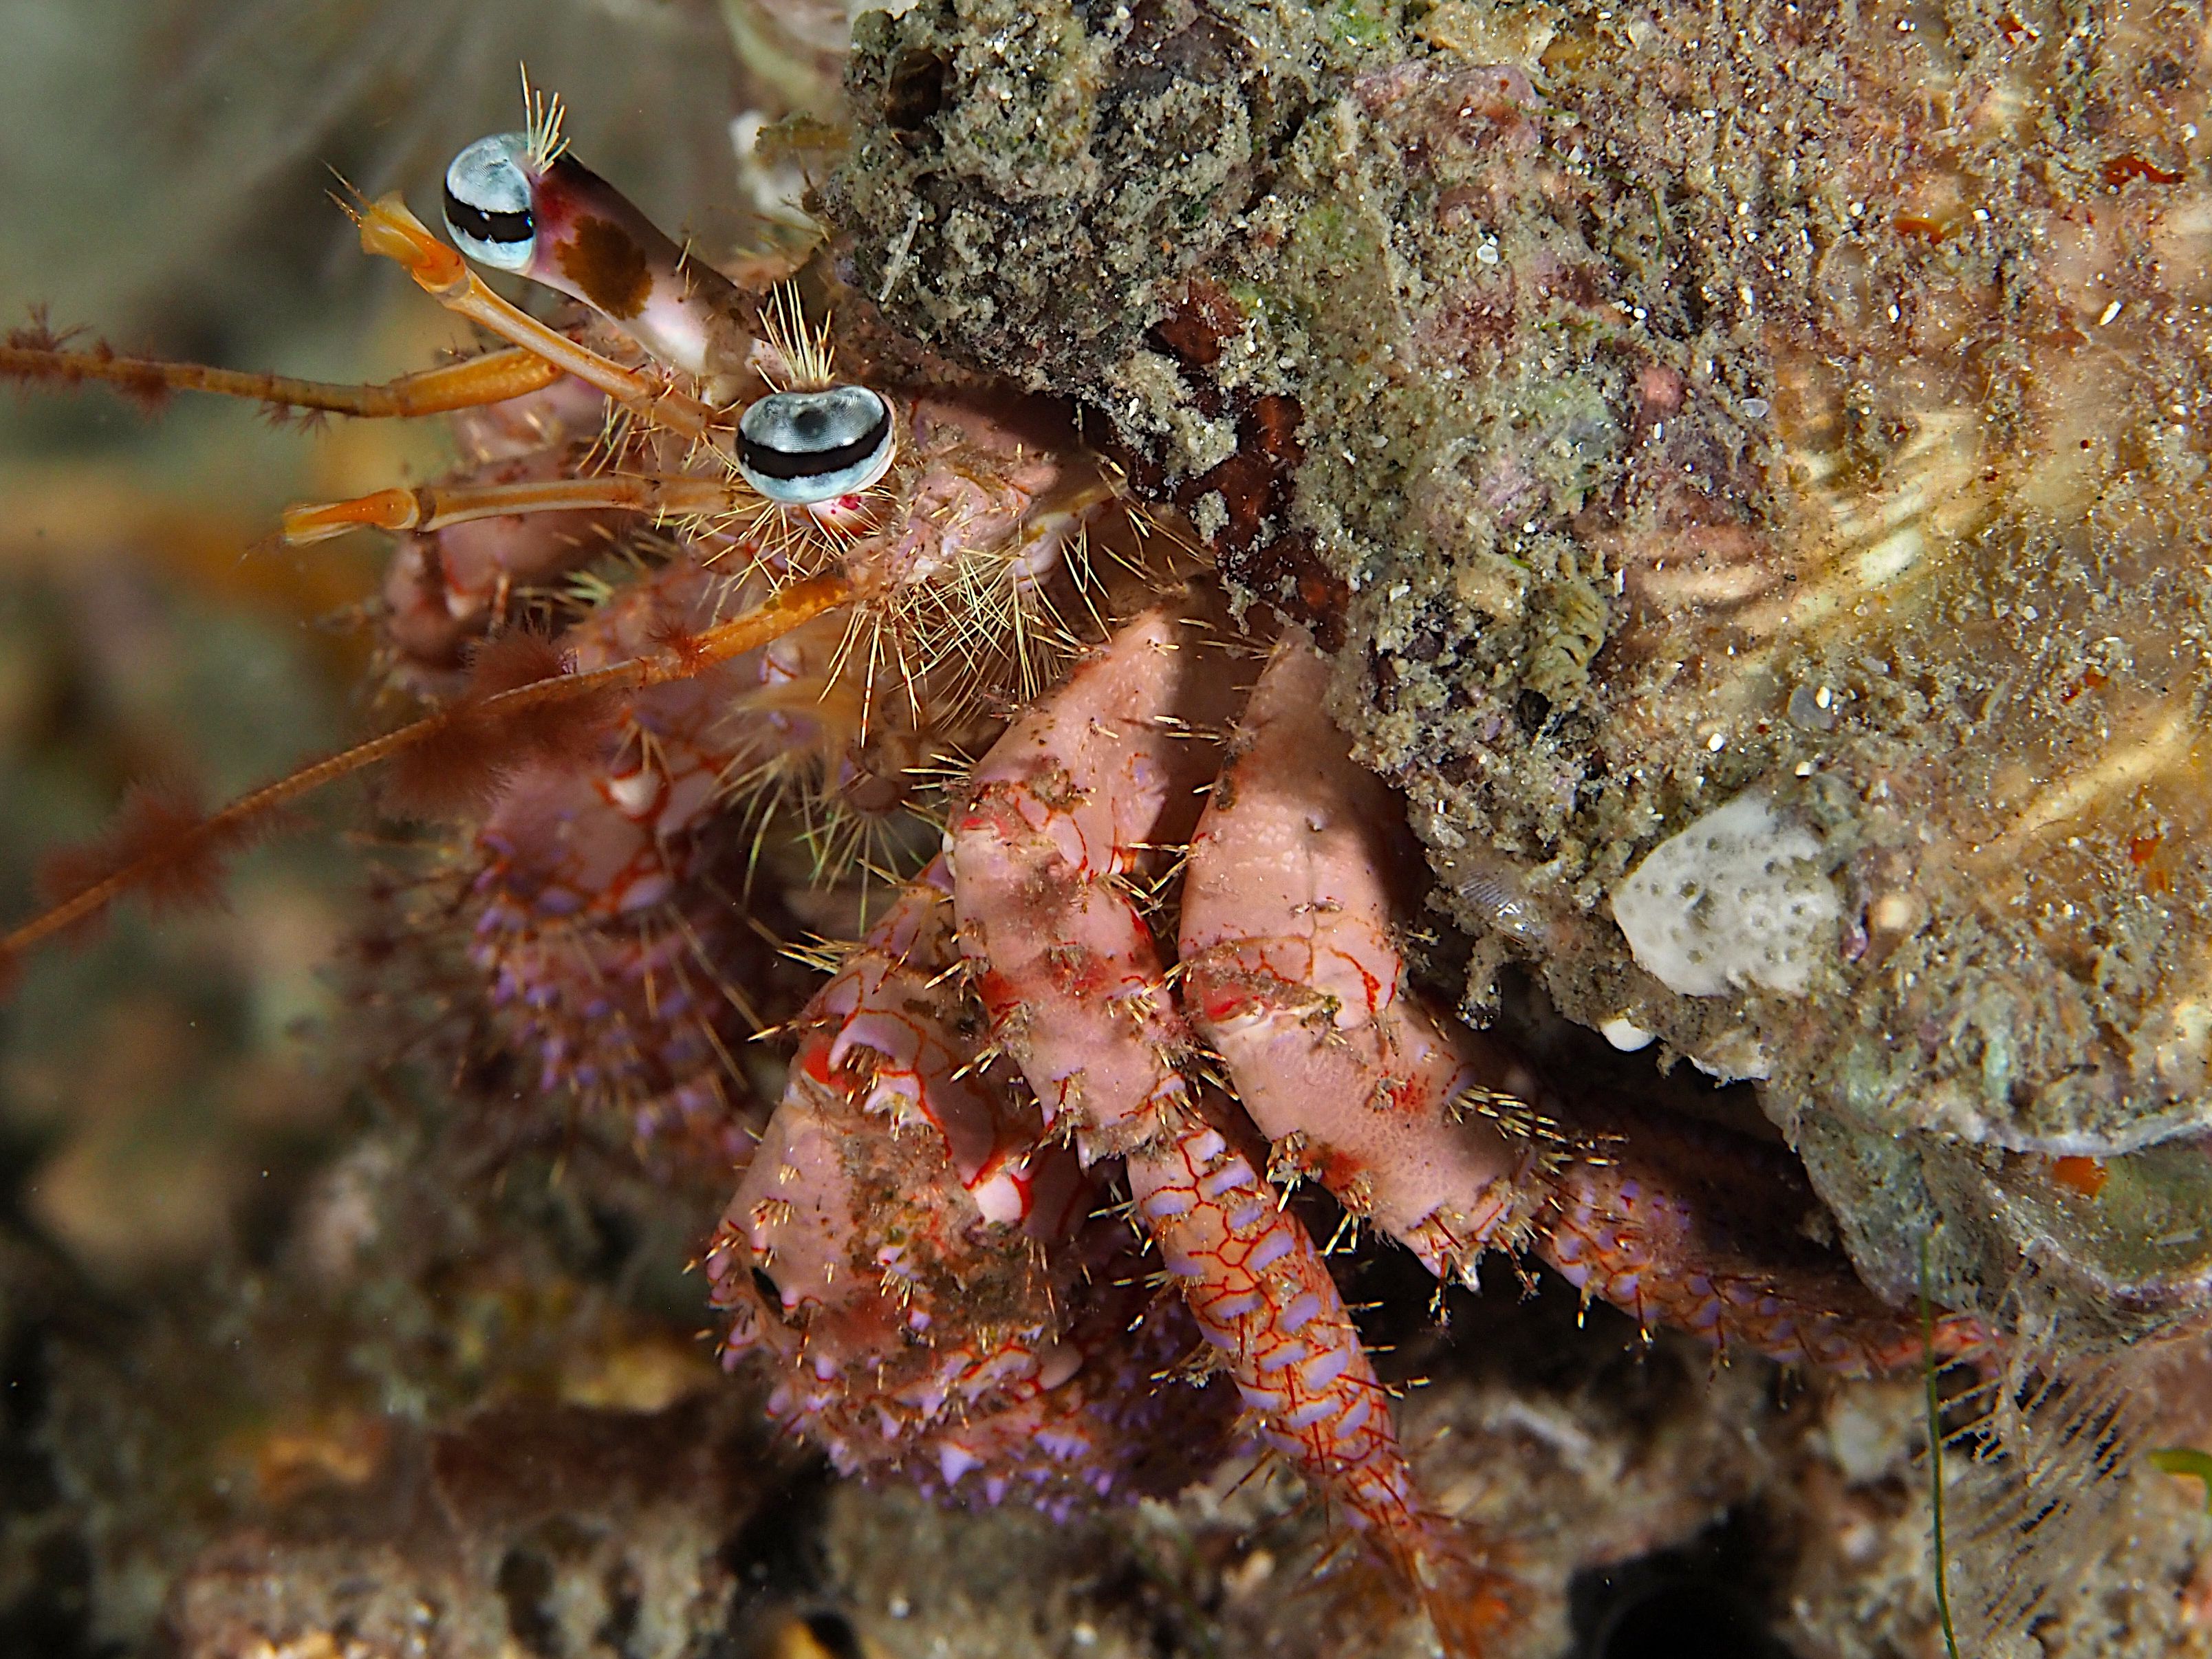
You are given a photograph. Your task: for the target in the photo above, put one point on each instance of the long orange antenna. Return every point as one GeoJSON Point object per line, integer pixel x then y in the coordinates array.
{"type": "Point", "coordinates": [433, 507]}
{"type": "Point", "coordinates": [773, 617]}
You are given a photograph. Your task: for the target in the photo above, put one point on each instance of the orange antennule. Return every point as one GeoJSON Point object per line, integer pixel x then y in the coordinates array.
{"type": "Point", "coordinates": [672, 496]}
{"type": "Point", "coordinates": [388, 230]}
{"type": "Point", "coordinates": [32, 355]}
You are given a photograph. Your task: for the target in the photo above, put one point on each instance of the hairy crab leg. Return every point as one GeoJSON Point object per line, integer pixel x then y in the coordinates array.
{"type": "Point", "coordinates": [1701, 1229]}
{"type": "Point", "coordinates": [599, 911]}
{"type": "Point", "coordinates": [1052, 827]}
{"type": "Point", "coordinates": [1263, 1297]}
{"type": "Point", "coordinates": [882, 1245]}
{"type": "Point", "coordinates": [1291, 973]}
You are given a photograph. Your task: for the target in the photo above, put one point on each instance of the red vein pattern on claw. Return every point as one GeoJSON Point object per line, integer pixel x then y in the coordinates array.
{"type": "Point", "coordinates": [1291, 965]}
{"type": "Point", "coordinates": [1264, 1297]}
{"type": "Point", "coordinates": [1058, 813]}
{"type": "Point", "coordinates": [1299, 867]}
{"type": "Point", "coordinates": [1056, 816]}
{"type": "Point", "coordinates": [883, 1248]}
{"type": "Point", "coordinates": [612, 949]}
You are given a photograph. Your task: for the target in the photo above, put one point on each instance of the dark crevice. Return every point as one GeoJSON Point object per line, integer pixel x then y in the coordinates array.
{"type": "Point", "coordinates": [1708, 1599]}
{"type": "Point", "coordinates": [776, 1556]}
{"type": "Point", "coordinates": [525, 1585]}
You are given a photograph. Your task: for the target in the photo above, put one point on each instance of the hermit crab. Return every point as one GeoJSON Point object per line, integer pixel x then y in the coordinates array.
{"type": "Point", "coordinates": [1016, 1225]}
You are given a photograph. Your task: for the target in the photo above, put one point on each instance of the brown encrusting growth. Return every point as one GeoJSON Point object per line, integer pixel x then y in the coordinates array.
{"type": "Point", "coordinates": [460, 764]}
{"type": "Point", "coordinates": [160, 843]}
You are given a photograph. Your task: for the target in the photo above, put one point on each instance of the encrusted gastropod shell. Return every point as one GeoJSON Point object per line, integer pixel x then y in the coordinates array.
{"type": "Point", "coordinates": [1788, 412]}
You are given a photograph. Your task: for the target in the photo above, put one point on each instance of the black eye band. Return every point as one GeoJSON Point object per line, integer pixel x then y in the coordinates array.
{"type": "Point", "coordinates": [472, 220]}
{"type": "Point", "coordinates": [772, 463]}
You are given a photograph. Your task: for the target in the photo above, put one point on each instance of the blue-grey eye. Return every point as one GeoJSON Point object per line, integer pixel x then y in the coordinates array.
{"type": "Point", "coordinates": [487, 201]}
{"type": "Point", "coordinates": [801, 448]}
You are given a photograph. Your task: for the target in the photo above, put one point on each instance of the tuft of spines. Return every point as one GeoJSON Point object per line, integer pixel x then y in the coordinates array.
{"type": "Point", "coordinates": [809, 363]}
{"type": "Point", "coordinates": [474, 742]}
{"type": "Point", "coordinates": [161, 845]}
{"type": "Point", "coordinates": [543, 139]}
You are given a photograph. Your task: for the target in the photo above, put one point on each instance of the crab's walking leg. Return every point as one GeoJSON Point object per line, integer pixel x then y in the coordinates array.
{"type": "Point", "coordinates": [492, 378]}
{"type": "Point", "coordinates": [1696, 1227]}
{"type": "Point", "coordinates": [1291, 973]}
{"type": "Point", "coordinates": [1263, 1296]}
{"type": "Point", "coordinates": [1056, 818]}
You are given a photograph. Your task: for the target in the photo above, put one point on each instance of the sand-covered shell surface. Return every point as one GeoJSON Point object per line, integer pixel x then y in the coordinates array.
{"type": "Point", "coordinates": [1688, 425]}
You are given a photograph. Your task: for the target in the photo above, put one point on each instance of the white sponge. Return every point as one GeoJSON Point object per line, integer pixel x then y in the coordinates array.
{"type": "Point", "coordinates": [1732, 901]}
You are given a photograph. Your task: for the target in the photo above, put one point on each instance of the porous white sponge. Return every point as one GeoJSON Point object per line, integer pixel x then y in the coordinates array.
{"type": "Point", "coordinates": [1732, 901]}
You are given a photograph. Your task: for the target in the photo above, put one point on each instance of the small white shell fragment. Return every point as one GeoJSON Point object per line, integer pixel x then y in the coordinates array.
{"type": "Point", "coordinates": [1895, 912]}
{"type": "Point", "coordinates": [1732, 901]}
{"type": "Point", "coordinates": [1625, 1034]}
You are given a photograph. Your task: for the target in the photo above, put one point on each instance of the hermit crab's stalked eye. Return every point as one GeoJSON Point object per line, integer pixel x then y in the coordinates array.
{"type": "Point", "coordinates": [802, 447]}
{"type": "Point", "coordinates": [487, 201]}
